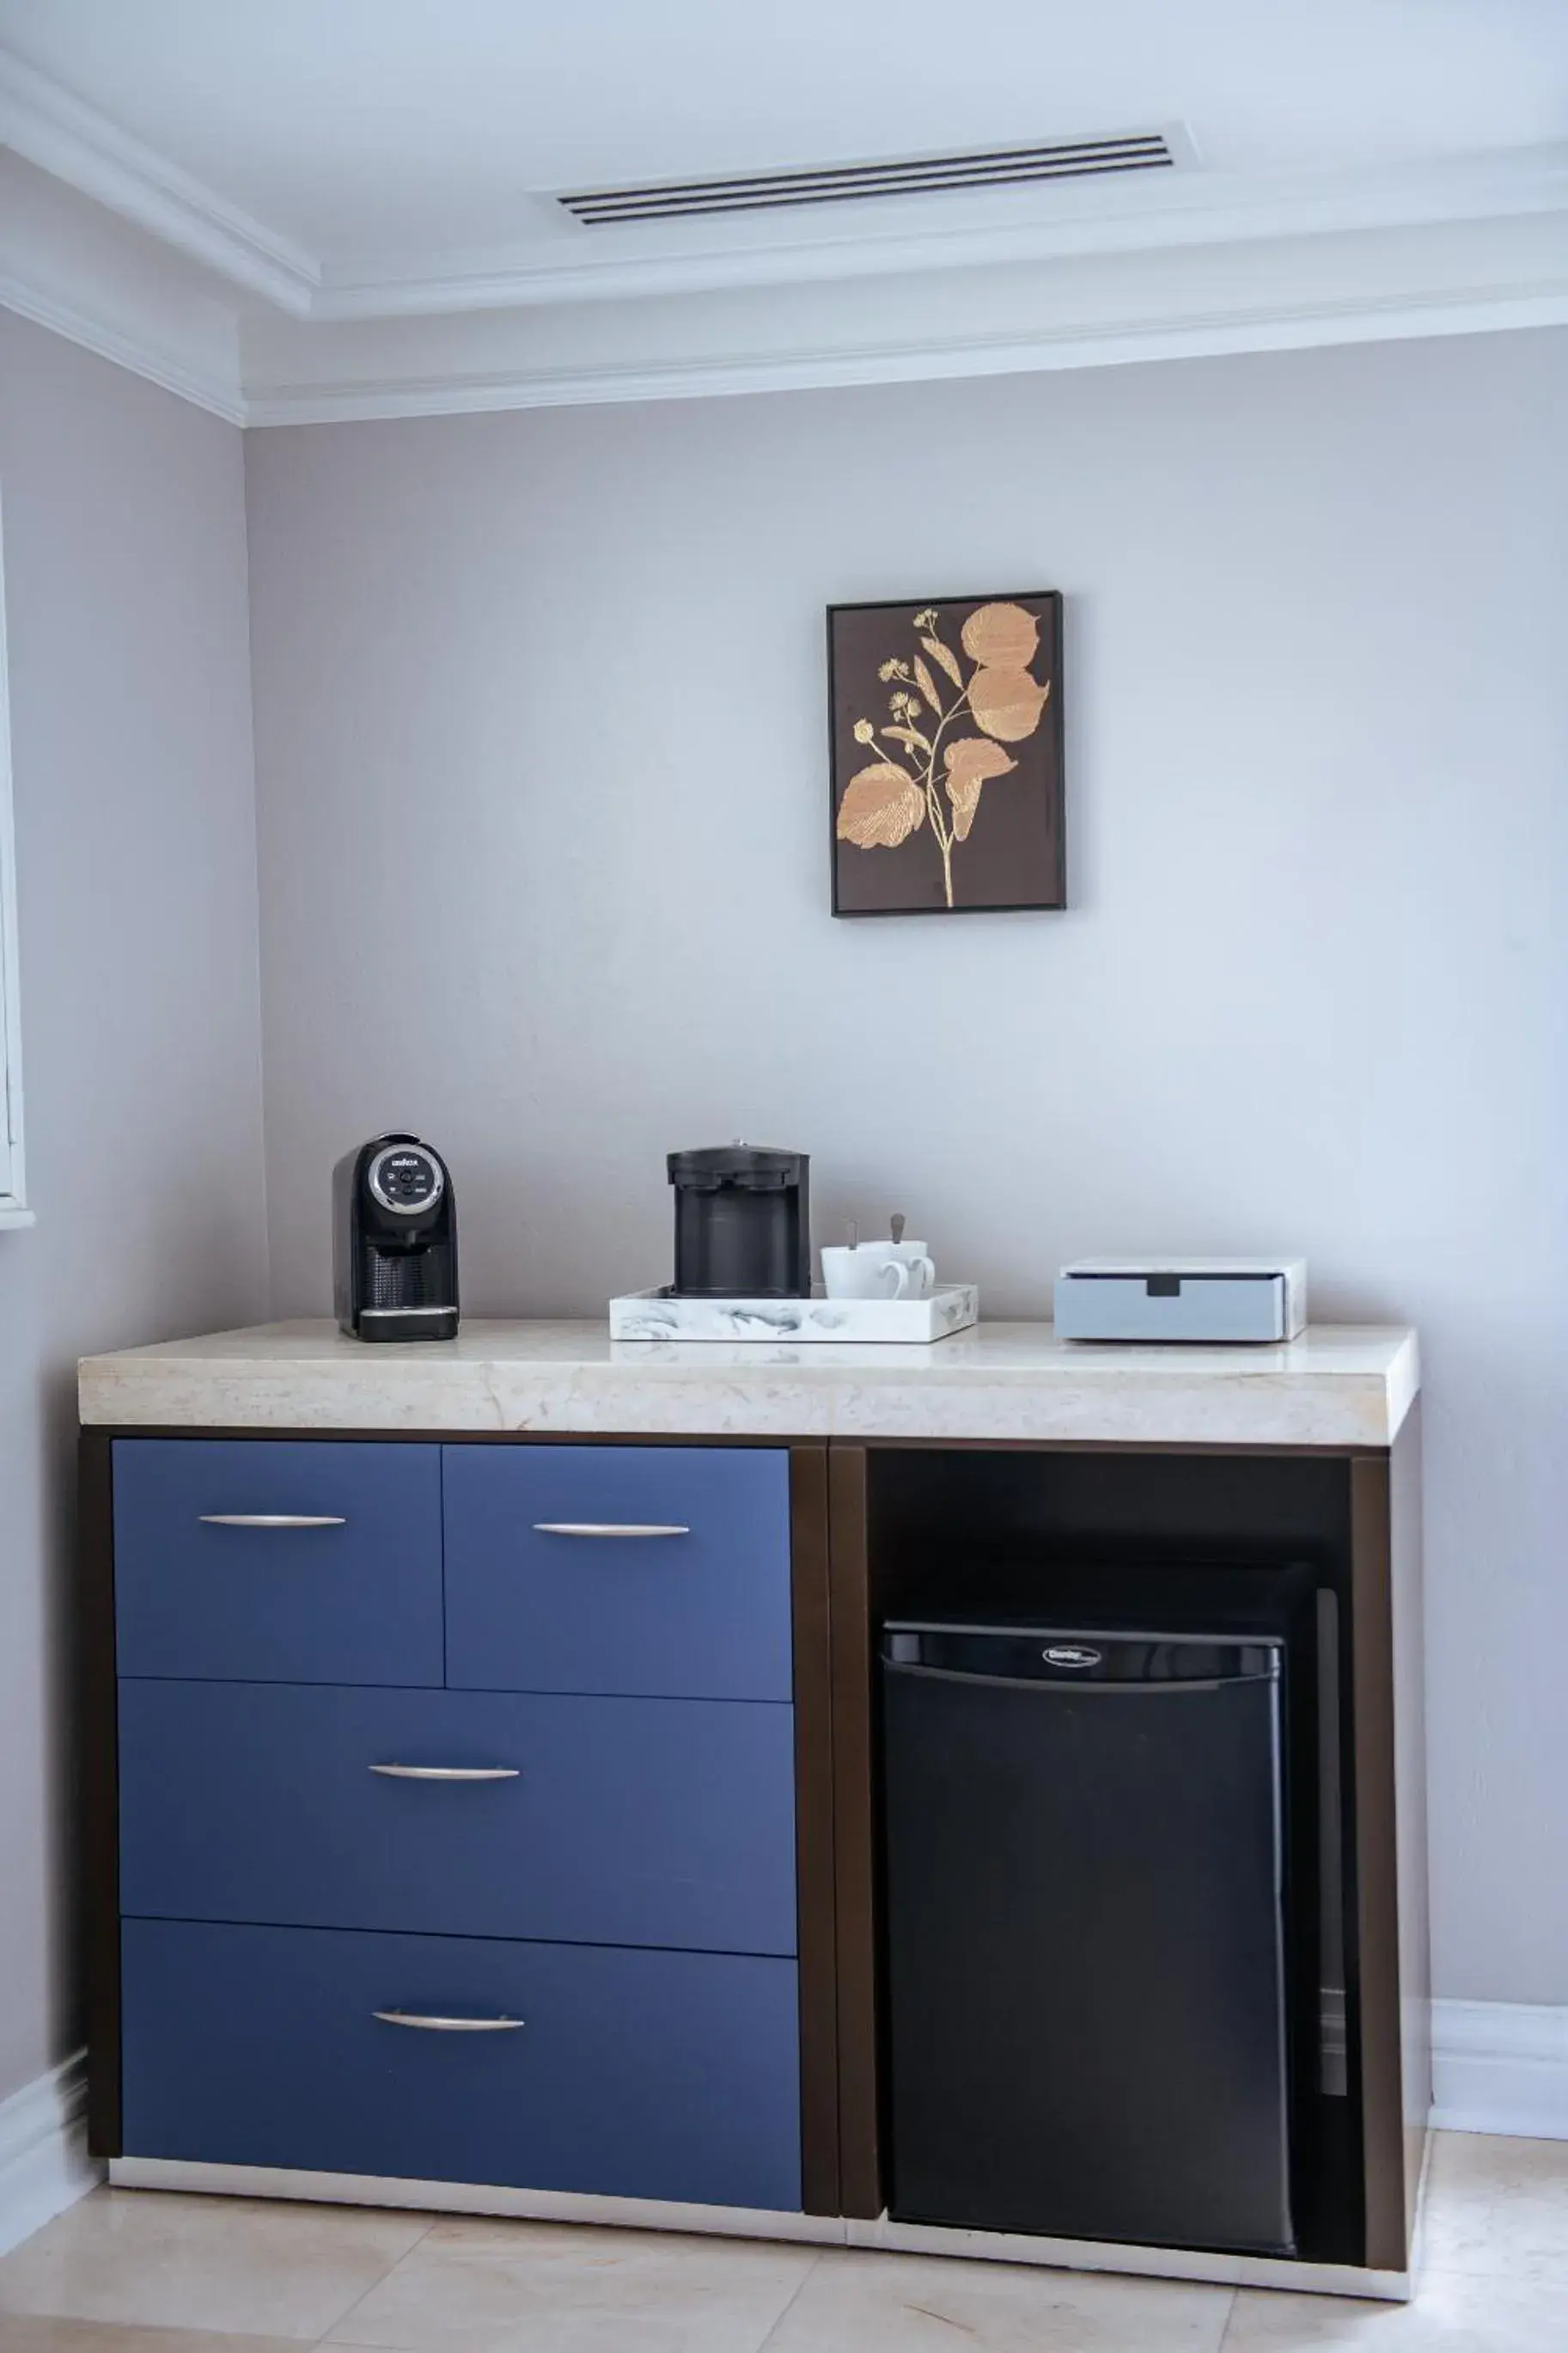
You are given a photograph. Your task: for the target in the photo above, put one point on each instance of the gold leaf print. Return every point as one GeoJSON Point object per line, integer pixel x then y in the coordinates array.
{"type": "Point", "coordinates": [881, 807]}
{"type": "Point", "coordinates": [1006, 702]}
{"type": "Point", "coordinates": [1001, 637]}
{"type": "Point", "coordinates": [945, 656]}
{"type": "Point", "coordinates": [985, 674]}
{"type": "Point", "coordinates": [969, 762]}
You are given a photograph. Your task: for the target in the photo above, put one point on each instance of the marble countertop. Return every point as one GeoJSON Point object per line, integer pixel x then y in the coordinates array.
{"type": "Point", "coordinates": [1339, 1384]}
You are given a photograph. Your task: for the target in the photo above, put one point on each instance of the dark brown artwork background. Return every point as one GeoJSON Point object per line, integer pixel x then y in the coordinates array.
{"type": "Point", "coordinates": [1004, 783]}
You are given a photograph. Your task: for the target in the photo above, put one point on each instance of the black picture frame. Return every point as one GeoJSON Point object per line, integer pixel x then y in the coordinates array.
{"type": "Point", "coordinates": [1027, 802]}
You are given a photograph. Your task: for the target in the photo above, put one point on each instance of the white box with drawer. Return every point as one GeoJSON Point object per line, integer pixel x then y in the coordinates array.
{"type": "Point", "coordinates": [1197, 1300]}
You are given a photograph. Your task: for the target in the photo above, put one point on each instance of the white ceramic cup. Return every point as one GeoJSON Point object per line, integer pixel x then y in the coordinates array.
{"type": "Point", "coordinates": [918, 1259]}
{"type": "Point", "coordinates": [876, 1270]}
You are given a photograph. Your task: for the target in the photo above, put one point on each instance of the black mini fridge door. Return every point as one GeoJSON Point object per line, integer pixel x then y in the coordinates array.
{"type": "Point", "coordinates": [1086, 1940]}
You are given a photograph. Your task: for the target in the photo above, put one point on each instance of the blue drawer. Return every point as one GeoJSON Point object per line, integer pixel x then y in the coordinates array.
{"type": "Point", "coordinates": [702, 1612]}
{"type": "Point", "coordinates": [635, 2075]}
{"type": "Point", "coordinates": [356, 1602]}
{"type": "Point", "coordinates": [631, 1822]}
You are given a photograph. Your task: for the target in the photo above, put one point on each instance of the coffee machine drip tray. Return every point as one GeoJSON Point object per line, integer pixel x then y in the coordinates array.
{"type": "Point", "coordinates": [666, 1315]}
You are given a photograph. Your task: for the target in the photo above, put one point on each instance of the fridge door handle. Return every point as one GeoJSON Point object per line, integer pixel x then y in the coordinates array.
{"type": "Point", "coordinates": [1076, 1689]}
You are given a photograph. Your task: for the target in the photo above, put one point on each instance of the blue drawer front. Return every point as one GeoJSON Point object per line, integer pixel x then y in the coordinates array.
{"type": "Point", "coordinates": [359, 1603]}
{"type": "Point", "coordinates": [704, 1614]}
{"type": "Point", "coordinates": [637, 2075]}
{"type": "Point", "coordinates": [632, 1821]}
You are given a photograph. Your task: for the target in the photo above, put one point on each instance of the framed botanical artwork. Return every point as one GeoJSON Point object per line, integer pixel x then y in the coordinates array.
{"type": "Point", "coordinates": [947, 756]}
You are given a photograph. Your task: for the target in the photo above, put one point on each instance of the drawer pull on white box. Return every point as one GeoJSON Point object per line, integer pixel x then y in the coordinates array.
{"type": "Point", "coordinates": [604, 1528]}
{"type": "Point", "coordinates": [448, 1772]}
{"type": "Point", "coordinates": [272, 1520]}
{"type": "Point", "coordinates": [449, 2025]}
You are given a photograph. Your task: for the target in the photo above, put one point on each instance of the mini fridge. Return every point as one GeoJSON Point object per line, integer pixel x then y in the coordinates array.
{"type": "Point", "coordinates": [1086, 1946]}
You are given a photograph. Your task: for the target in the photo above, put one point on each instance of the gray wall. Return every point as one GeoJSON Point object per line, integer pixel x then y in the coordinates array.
{"type": "Point", "coordinates": [542, 822]}
{"type": "Point", "coordinates": [124, 531]}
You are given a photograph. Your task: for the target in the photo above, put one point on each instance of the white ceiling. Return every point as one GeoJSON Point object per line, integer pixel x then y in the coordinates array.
{"type": "Point", "coordinates": [371, 131]}
{"type": "Point", "coordinates": [308, 209]}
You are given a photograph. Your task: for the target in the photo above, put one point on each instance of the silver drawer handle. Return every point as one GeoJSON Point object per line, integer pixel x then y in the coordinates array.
{"type": "Point", "coordinates": [604, 1528]}
{"type": "Point", "coordinates": [448, 1772]}
{"type": "Point", "coordinates": [272, 1520]}
{"type": "Point", "coordinates": [450, 2025]}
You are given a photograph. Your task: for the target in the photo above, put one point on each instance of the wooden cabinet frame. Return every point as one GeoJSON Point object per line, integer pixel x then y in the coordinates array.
{"type": "Point", "coordinates": [1387, 1802]}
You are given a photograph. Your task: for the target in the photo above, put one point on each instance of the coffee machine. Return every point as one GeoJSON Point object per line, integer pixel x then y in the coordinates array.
{"type": "Point", "coordinates": [742, 1223]}
{"type": "Point", "coordinates": [395, 1242]}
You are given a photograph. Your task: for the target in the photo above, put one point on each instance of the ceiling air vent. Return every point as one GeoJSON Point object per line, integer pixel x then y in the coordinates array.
{"type": "Point", "coordinates": [849, 184]}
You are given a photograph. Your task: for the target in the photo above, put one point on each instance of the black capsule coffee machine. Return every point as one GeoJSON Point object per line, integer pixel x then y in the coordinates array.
{"type": "Point", "coordinates": [395, 1242]}
{"type": "Point", "coordinates": [742, 1223]}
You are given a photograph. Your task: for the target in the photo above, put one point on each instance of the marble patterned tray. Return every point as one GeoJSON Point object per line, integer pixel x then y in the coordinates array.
{"type": "Point", "coordinates": [659, 1316]}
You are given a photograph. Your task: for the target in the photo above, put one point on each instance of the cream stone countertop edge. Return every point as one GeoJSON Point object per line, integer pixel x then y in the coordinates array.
{"type": "Point", "coordinates": [1339, 1385]}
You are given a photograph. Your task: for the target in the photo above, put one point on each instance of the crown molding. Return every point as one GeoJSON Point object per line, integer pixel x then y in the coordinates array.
{"type": "Point", "coordinates": [1284, 294]}
{"type": "Point", "coordinates": [142, 356]}
{"type": "Point", "coordinates": [70, 140]}
{"type": "Point", "coordinates": [476, 394]}
{"type": "Point", "coordinates": [68, 265]}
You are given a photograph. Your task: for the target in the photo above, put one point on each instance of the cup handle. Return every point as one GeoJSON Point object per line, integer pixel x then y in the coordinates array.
{"type": "Point", "coordinates": [925, 1269]}
{"type": "Point", "coordinates": [900, 1274]}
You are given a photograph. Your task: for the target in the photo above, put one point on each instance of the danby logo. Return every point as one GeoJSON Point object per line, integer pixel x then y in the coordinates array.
{"type": "Point", "coordinates": [1070, 1654]}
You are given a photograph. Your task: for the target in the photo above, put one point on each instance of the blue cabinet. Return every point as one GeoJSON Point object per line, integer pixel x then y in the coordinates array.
{"type": "Point", "coordinates": [293, 1615]}
{"type": "Point", "coordinates": [632, 1821]}
{"type": "Point", "coordinates": [277, 1561]}
{"type": "Point", "coordinates": [660, 1570]}
{"type": "Point", "coordinates": [632, 2075]}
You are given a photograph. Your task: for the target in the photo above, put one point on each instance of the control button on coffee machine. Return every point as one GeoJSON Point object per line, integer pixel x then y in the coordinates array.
{"type": "Point", "coordinates": [742, 1223]}
{"type": "Point", "coordinates": [395, 1242]}
{"type": "Point", "coordinates": [406, 1178]}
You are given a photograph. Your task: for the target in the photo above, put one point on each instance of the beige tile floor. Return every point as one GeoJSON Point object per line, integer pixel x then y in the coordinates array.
{"type": "Point", "coordinates": [134, 2271]}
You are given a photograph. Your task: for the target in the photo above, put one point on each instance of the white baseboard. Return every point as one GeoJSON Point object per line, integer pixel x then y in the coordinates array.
{"type": "Point", "coordinates": [44, 2163]}
{"type": "Point", "coordinates": [1500, 2067]}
